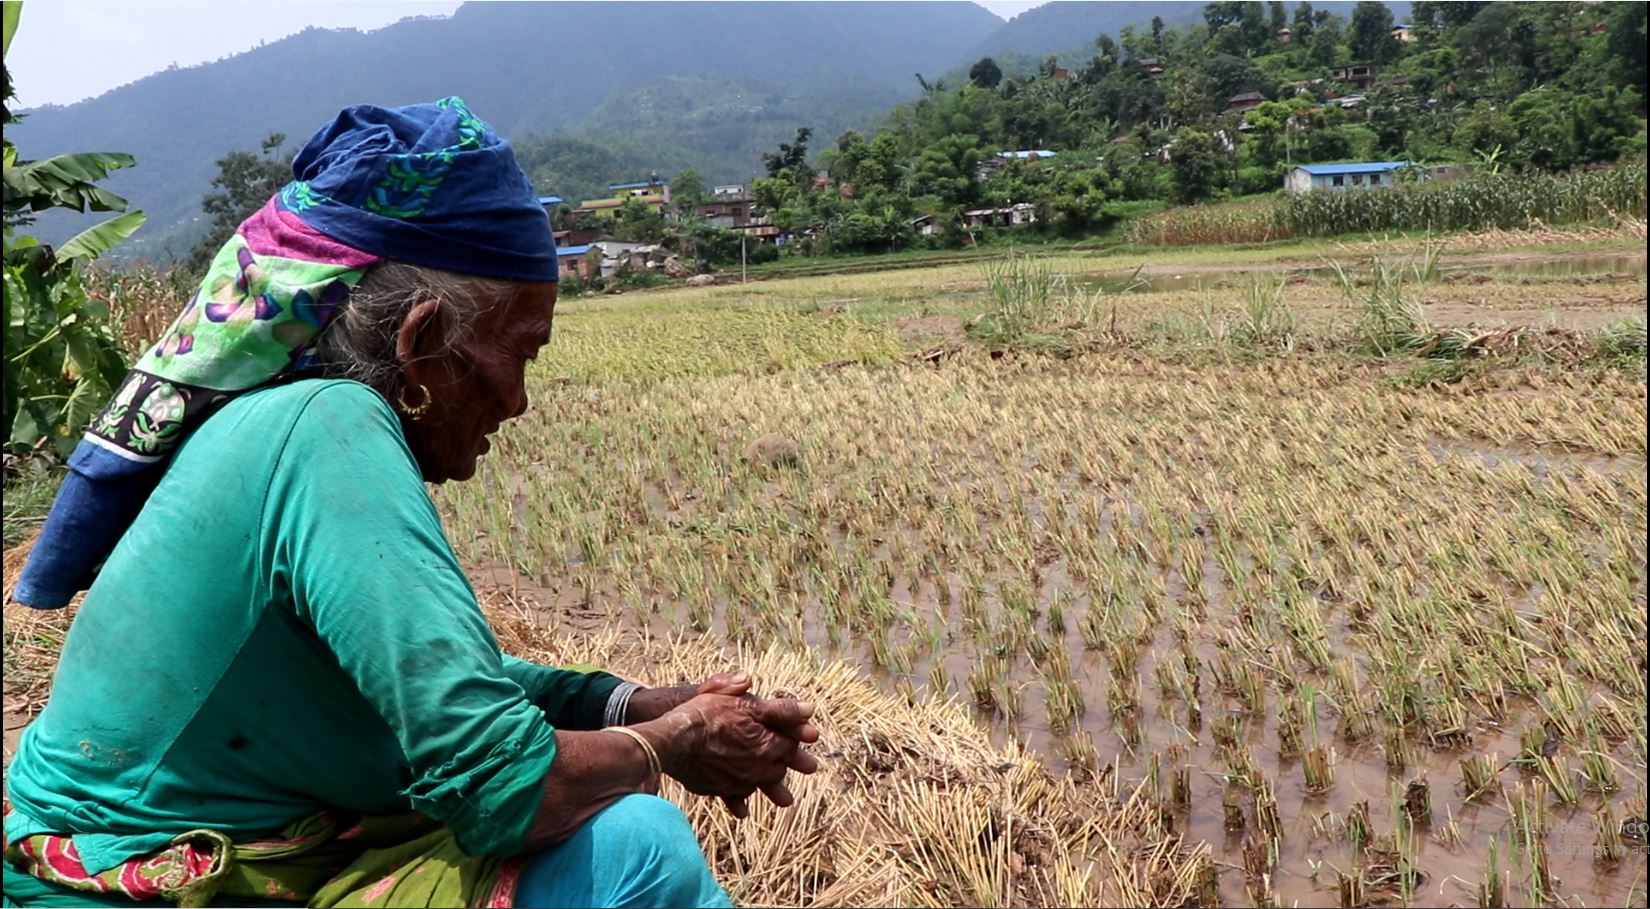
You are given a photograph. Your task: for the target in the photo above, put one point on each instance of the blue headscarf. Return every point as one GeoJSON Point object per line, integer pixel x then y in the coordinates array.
{"type": "Point", "coordinates": [429, 184]}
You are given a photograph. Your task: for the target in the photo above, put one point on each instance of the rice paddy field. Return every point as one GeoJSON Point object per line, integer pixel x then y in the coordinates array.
{"type": "Point", "coordinates": [1311, 617]}
{"type": "Point", "coordinates": [1311, 575]}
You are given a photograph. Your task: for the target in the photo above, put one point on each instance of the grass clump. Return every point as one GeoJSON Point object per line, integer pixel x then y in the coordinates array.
{"type": "Point", "coordinates": [1032, 306]}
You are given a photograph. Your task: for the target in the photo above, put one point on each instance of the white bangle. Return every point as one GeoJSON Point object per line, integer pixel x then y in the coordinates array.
{"type": "Point", "coordinates": [618, 704]}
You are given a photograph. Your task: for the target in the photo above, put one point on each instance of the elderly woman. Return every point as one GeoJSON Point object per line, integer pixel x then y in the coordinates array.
{"type": "Point", "coordinates": [279, 687]}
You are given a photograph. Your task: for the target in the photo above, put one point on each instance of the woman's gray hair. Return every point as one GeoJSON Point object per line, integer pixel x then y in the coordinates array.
{"type": "Point", "coordinates": [360, 343]}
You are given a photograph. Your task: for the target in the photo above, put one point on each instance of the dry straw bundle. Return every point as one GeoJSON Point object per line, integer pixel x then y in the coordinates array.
{"type": "Point", "coordinates": [913, 806]}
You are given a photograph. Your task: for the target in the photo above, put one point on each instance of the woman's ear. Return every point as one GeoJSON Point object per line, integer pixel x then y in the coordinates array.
{"type": "Point", "coordinates": [419, 340]}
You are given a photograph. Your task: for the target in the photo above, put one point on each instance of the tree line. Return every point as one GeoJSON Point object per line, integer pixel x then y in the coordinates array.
{"type": "Point", "coordinates": [1150, 118]}
{"type": "Point", "coordinates": [1159, 115]}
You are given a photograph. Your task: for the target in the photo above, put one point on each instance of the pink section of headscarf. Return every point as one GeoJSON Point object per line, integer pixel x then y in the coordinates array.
{"type": "Point", "coordinates": [275, 232]}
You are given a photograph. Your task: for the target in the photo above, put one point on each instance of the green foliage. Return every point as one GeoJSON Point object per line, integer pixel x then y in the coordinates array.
{"type": "Point", "coordinates": [1624, 341]}
{"type": "Point", "coordinates": [639, 222]}
{"type": "Point", "coordinates": [1370, 38]}
{"type": "Point", "coordinates": [1200, 165]}
{"type": "Point", "coordinates": [63, 181]}
{"type": "Point", "coordinates": [1022, 290]}
{"type": "Point", "coordinates": [985, 73]}
{"type": "Point", "coordinates": [1506, 201]}
{"type": "Point", "coordinates": [245, 181]}
{"type": "Point", "coordinates": [1265, 319]}
{"type": "Point", "coordinates": [1389, 318]}
{"type": "Point", "coordinates": [1033, 307]}
{"type": "Point", "coordinates": [635, 279]}
{"type": "Point", "coordinates": [62, 357]}
{"type": "Point", "coordinates": [13, 12]}
{"type": "Point", "coordinates": [687, 189]}
{"type": "Point", "coordinates": [62, 360]}
{"type": "Point", "coordinates": [792, 156]}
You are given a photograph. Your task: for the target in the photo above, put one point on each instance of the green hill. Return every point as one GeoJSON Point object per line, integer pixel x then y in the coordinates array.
{"type": "Point", "coordinates": [678, 81]}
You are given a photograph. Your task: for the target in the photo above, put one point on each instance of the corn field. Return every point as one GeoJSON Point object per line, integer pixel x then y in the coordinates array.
{"type": "Point", "coordinates": [1206, 224]}
{"type": "Point", "coordinates": [1487, 202]}
{"type": "Point", "coordinates": [1504, 202]}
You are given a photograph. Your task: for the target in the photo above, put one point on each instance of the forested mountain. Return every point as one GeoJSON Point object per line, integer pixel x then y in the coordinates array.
{"type": "Point", "coordinates": [1063, 26]}
{"type": "Point", "coordinates": [901, 105]}
{"type": "Point", "coordinates": [1225, 105]}
{"type": "Point", "coordinates": [749, 73]}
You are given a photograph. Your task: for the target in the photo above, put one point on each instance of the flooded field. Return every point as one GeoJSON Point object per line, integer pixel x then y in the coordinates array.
{"type": "Point", "coordinates": [1370, 641]}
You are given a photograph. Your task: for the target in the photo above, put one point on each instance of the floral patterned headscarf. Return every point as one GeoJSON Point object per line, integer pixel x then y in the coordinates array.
{"type": "Point", "coordinates": [429, 184]}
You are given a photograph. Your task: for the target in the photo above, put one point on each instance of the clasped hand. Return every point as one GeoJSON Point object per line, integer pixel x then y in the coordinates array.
{"type": "Point", "coordinates": [734, 744]}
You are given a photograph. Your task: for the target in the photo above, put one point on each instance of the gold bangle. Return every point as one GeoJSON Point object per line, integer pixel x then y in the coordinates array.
{"type": "Point", "coordinates": [654, 768]}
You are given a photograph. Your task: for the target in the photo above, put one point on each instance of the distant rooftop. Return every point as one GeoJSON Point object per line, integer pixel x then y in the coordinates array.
{"type": "Point", "coordinates": [1030, 153]}
{"type": "Point", "coordinates": [1361, 167]}
{"type": "Point", "coordinates": [642, 184]}
{"type": "Point", "coordinates": [548, 201]}
{"type": "Point", "coordinates": [572, 250]}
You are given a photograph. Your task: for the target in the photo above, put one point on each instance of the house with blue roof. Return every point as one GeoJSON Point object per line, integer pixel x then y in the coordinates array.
{"type": "Point", "coordinates": [1341, 177]}
{"type": "Point", "coordinates": [583, 262]}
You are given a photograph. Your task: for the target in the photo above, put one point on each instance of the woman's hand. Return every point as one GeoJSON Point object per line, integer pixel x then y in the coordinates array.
{"type": "Point", "coordinates": [720, 741]}
{"type": "Point", "coordinates": [652, 703]}
{"type": "Point", "coordinates": [731, 745]}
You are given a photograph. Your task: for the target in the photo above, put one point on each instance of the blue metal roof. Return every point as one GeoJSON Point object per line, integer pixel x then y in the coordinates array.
{"type": "Point", "coordinates": [638, 185]}
{"type": "Point", "coordinates": [1362, 167]}
{"type": "Point", "coordinates": [550, 200]}
{"type": "Point", "coordinates": [572, 250]}
{"type": "Point", "coordinates": [1032, 153]}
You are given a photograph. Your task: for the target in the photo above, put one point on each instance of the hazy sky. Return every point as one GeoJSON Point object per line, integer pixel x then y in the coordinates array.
{"type": "Point", "coordinates": [108, 43]}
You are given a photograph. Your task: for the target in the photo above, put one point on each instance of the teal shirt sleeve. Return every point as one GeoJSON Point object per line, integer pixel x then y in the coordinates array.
{"type": "Point", "coordinates": [359, 545]}
{"type": "Point", "coordinates": [571, 699]}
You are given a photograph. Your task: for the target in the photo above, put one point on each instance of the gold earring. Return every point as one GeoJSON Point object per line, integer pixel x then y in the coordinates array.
{"type": "Point", "coordinates": [408, 409]}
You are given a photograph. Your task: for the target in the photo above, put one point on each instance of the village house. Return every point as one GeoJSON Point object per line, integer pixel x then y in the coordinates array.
{"type": "Point", "coordinates": [995, 163]}
{"type": "Point", "coordinates": [1367, 175]}
{"type": "Point", "coordinates": [924, 226]}
{"type": "Point", "coordinates": [1153, 67]}
{"type": "Point", "coordinates": [1340, 177]}
{"type": "Point", "coordinates": [1361, 75]}
{"type": "Point", "coordinates": [652, 191]}
{"type": "Point", "coordinates": [617, 254]}
{"type": "Point", "coordinates": [1244, 102]}
{"type": "Point", "coordinates": [583, 262]}
{"type": "Point", "coordinates": [729, 207]}
{"type": "Point", "coordinates": [594, 207]}
{"type": "Point", "coordinates": [575, 236]}
{"type": "Point", "coordinates": [1018, 215]}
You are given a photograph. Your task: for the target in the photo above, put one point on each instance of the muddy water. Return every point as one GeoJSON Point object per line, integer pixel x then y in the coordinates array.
{"type": "Point", "coordinates": [1619, 265]}
{"type": "Point", "coordinates": [1450, 853]}
{"type": "Point", "coordinates": [1540, 461]}
{"type": "Point", "coordinates": [1158, 734]}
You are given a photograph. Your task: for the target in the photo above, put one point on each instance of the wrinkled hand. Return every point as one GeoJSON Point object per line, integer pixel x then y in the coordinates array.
{"type": "Point", "coordinates": [733, 744]}
{"type": "Point", "coordinates": [652, 703]}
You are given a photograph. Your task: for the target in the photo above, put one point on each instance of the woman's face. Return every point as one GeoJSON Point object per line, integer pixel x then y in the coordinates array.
{"type": "Point", "coordinates": [475, 383]}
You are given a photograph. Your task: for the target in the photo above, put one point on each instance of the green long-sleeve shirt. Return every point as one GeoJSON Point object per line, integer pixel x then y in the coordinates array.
{"type": "Point", "coordinates": [284, 629]}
